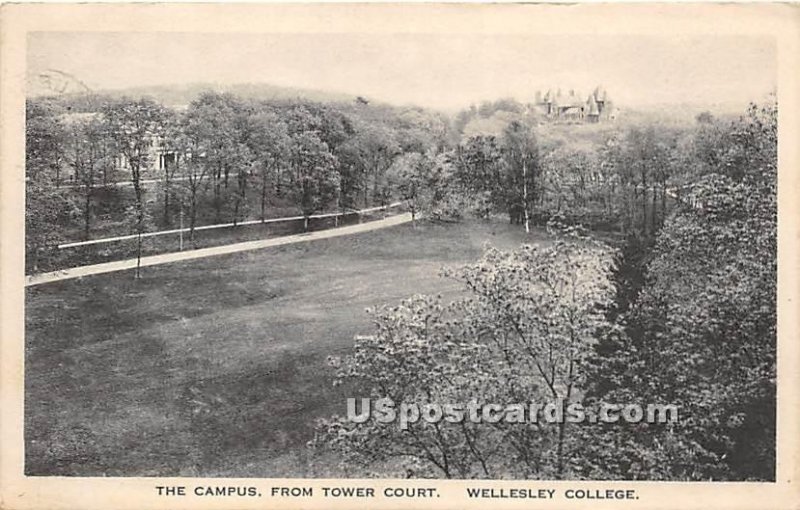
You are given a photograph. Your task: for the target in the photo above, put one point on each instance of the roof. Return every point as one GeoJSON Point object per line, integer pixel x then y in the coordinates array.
{"type": "Point", "coordinates": [572, 100]}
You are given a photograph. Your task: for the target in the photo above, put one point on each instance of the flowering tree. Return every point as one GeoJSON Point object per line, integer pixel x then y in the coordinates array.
{"type": "Point", "coordinates": [523, 333]}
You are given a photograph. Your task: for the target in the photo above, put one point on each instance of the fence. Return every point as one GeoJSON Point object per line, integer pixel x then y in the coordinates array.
{"type": "Point", "coordinates": [225, 225]}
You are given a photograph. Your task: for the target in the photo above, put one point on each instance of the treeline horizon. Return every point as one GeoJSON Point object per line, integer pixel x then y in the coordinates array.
{"type": "Point", "coordinates": [232, 159]}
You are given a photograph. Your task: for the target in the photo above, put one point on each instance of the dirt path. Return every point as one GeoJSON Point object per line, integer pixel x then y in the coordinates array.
{"type": "Point", "coordinates": [165, 258]}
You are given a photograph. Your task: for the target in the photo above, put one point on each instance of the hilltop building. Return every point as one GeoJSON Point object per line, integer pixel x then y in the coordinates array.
{"type": "Point", "coordinates": [571, 107]}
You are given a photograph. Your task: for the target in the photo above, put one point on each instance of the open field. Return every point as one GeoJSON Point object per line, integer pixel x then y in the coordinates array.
{"type": "Point", "coordinates": [216, 367]}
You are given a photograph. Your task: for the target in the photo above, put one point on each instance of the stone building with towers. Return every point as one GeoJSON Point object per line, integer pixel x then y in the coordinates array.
{"type": "Point", "coordinates": [557, 106]}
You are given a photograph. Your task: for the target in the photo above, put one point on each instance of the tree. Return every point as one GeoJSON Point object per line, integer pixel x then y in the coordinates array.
{"type": "Point", "coordinates": [47, 211]}
{"type": "Point", "coordinates": [540, 309]}
{"type": "Point", "coordinates": [523, 333]}
{"type": "Point", "coordinates": [173, 146]}
{"type": "Point", "coordinates": [642, 160]}
{"type": "Point", "coordinates": [134, 125]}
{"type": "Point", "coordinates": [214, 121]}
{"type": "Point", "coordinates": [268, 140]}
{"type": "Point", "coordinates": [521, 157]}
{"type": "Point", "coordinates": [195, 171]}
{"type": "Point", "coordinates": [413, 178]}
{"type": "Point", "coordinates": [244, 167]}
{"type": "Point", "coordinates": [702, 332]}
{"type": "Point", "coordinates": [139, 222]}
{"type": "Point", "coordinates": [351, 169]}
{"type": "Point", "coordinates": [45, 138]}
{"type": "Point", "coordinates": [89, 155]}
{"type": "Point", "coordinates": [576, 187]}
{"type": "Point", "coordinates": [378, 148]}
{"type": "Point", "coordinates": [315, 179]}
{"type": "Point", "coordinates": [479, 173]}
{"type": "Point", "coordinates": [417, 355]}
{"type": "Point", "coordinates": [443, 199]}
{"type": "Point", "coordinates": [420, 130]}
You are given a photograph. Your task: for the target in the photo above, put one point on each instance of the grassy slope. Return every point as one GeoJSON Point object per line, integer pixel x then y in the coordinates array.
{"type": "Point", "coordinates": [216, 367]}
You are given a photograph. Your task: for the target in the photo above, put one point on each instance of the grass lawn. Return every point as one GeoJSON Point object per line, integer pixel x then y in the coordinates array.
{"type": "Point", "coordinates": [216, 367]}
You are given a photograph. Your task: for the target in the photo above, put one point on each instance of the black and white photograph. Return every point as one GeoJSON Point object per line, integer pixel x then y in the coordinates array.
{"type": "Point", "coordinates": [431, 255]}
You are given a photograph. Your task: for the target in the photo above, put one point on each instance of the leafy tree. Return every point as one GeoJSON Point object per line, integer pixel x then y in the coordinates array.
{"type": "Point", "coordinates": [523, 171]}
{"type": "Point", "coordinates": [422, 131]}
{"type": "Point", "coordinates": [134, 125]}
{"type": "Point", "coordinates": [45, 138]}
{"type": "Point", "coordinates": [88, 153]}
{"type": "Point", "coordinates": [541, 309]}
{"type": "Point", "coordinates": [412, 175]}
{"type": "Point", "coordinates": [214, 122]}
{"type": "Point", "coordinates": [195, 171]}
{"type": "Point", "coordinates": [351, 168]}
{"type": "Point", "coordinates": [444, 200]}
{"type": "Point", "coordinates": [268, 140]}
{"type": "Point", "coordinates": [417, 355]}
{"type": "Point", "coordinates": [479, 173]}
{"type": "Point", "coordinates": [702, 332]}
{"type": "Point", "coordinates": [642, 159]}
{"type": "Point", "coordinates": [378, 148]}
{"type": "Point", "coordinates": [577, 187]}
{"type": "Point", "coordinates": [48, 210]}
{"type": "Point", "coordinates": [174, 146]}
{"type": "Point", "coordinates": [524, 332]}
{"type": "Point", "coordinates": [315, 180]}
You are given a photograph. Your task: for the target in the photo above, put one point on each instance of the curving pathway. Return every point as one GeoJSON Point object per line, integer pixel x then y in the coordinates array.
{"type": "Point", "coordinates": [165, 258]}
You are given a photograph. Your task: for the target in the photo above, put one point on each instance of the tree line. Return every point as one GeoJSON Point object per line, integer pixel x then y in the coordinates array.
{"type": "Point", "coordinates": [227, 159]}
{"type": "Point", "coordinates": [220, 159]}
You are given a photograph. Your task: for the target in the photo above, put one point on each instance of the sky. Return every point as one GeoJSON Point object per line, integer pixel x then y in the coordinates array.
{"type": "Point", "coordinates": [438, 71]}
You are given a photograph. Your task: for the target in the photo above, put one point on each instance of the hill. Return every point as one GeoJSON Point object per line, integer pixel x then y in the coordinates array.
{"type": "Point", "coordinates": [180, 95]}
